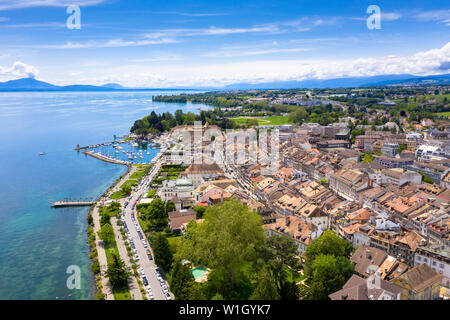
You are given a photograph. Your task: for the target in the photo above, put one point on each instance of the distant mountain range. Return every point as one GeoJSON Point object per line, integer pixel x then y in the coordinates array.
{"type": "Point", "coordinates": [383, 80]}
{"type": "Point", "coordinates": [31, 84]}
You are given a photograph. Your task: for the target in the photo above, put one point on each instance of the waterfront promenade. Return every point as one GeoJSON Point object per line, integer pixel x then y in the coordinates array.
{"type": "Point", "coordinates": [132, 282]}
{"type": "Point", "coordinates": [106, 287]}
{"type": "Point", "coordinates": [148, 265]}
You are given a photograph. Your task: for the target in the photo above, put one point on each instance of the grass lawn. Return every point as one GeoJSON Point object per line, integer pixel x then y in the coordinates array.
{"type": "Point", "coordinates": [137, 175]}
{"type": "Point", "coordinates": [443, 114]}
{"type": "Point", "coordinates": [130, 183]}
{"type": "Point", "coordinates": [122, 294]}
{"type": "Point", "coordinates": [272, 120]}
{"type": "Point", "coordinates": [118, 195]}
{"type": "Point", "coordinates": [173, 242]}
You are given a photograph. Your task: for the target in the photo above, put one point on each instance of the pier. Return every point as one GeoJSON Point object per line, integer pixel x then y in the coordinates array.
{"type": "Point", "coordinates": [60, 204]}
{"type": "Point", "coordinates": [106, 158]}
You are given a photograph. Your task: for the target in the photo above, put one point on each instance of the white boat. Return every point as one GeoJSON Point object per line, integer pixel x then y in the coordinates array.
{"type": "Point", "coordinates": [134, 144]}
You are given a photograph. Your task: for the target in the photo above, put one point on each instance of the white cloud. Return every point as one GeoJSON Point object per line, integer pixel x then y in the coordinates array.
{"type": "Point", "coordinates": [19, 4]}
{"type": "Point", "coordinates": [389, 16]}
{"type": "Point", "coordinates": [422, 63]}
{"type": "Point", "coordinates": [18, 70]}
{"type": "Point", "coordinates": [211, 31]}
{"type": "Point", "coordinates": [441, 16]}
{"type": "Point", "coordinates": [242, 53]}
{"type": "Point", "coordinates": [108, 44]}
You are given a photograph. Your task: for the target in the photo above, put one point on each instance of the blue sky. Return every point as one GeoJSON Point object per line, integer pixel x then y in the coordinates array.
{"type": "Point", "coordinates": [209, 43]}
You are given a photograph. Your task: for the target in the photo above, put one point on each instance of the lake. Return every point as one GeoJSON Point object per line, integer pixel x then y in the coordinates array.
{"type": "Point", "coordinates": [38, 243]}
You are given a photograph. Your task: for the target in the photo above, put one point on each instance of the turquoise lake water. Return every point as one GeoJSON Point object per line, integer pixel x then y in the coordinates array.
{"type": "Point", "coordinates": [38, 243]}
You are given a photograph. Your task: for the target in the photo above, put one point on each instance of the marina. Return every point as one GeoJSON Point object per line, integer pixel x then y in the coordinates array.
{"type": "Point", "coordinates": [122, 152]}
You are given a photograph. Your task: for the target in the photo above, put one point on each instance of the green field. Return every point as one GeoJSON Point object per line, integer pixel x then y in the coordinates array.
{"type": "Point", "coordinates": [118, 195]}
{"type": "Point", "coordinates": [443, 114]}
{"type": "Point", "coordinates": [272, 120]}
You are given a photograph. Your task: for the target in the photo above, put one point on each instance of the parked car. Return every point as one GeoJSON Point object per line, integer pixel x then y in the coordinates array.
{"type": "Point", "coordinates": [144, 279]}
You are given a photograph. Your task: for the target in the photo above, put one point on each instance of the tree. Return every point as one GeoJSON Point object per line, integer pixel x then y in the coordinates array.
{"type": "Point", "coordinates": [105, 218]}
{"type": "Point", "coordinates": [162, 253]}
{"type": "Point", "coordinates": [157, 209]}
{"type": "Point", "coordinates": [118, 273]}
{"type": "Point", "coordinates": [328, 243]}
{"type": "Point", "coordinates": [280, 255]}
{"type": "Point", "coordinates": [329, 274]}
{"type": "Point", "coordinates": [182, 281]}
{"type": "Point", "coordinates": [299, 115]}
{"type": "Point", "coordinates": [170, 206]}
{"type": "Point", "coordinates": [179, 116]}
{"type": "Point", "coordinates": [106, 234]}
{"type": "Point", "coordinates": [126, 190]}
{"type": "Point", "coordinates": [266, 288]}
{"type": "Point", "coordinates": [226, 241]}
{"type": "Point", "coordinates": [200, 210]}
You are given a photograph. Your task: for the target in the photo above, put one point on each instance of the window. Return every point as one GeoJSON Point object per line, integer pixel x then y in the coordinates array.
{"type": "Point", "coordinates": [419, 258]}
{"type": "Point", "coordinates": [441, 266]}
{"type": "Point", "coordinates": [434, 263]}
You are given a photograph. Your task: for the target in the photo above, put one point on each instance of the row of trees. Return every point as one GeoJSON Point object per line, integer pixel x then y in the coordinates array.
{"type": "Point", "coordinates": [117, 272]}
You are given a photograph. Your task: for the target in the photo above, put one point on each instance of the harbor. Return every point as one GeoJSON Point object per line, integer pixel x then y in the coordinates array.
{"type": "Point", "coordinates": [122, 152]}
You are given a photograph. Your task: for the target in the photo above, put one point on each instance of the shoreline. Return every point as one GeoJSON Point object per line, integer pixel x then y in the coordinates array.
{"type": "Point", "coordinates": [101, 283]}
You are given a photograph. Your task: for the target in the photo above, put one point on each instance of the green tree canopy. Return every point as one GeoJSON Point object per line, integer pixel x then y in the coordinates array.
{"type": "Point", "coordinates": [170, 206]}
{"type": "Point", "coordinates": [161, 252]}
{"type": "Point", "coordinates": [328, 243]}
{"type": "Point", "coordinates": [299, 115]}
{"type": "Point", "coordinates": [265, 288]}
{"type": "Point", "coordinates": [227, 239]}
{"type": "Point", "coordinates": [118, 273]}
{"type": "Point", "coordinates": [281, 257]}
{"type": "Point", "coordinates": [200, 210]}
{"type": "Point", "coordinates": [182, 281]}
{"type": "Point", "coordinates": [106, 234]}
{"type": "Point", "coordinates": [329, 274]}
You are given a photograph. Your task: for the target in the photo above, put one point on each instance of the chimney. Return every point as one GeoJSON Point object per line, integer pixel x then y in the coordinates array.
{"type": "Point", "coordinates": [288, 221]}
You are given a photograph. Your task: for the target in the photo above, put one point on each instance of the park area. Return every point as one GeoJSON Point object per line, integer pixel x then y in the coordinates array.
{"type": "Point", "coordinates": [272, 120]}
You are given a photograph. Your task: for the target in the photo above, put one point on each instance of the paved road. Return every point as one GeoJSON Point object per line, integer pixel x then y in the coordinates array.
{"type": "Point", "coordinates": [148, 265]}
